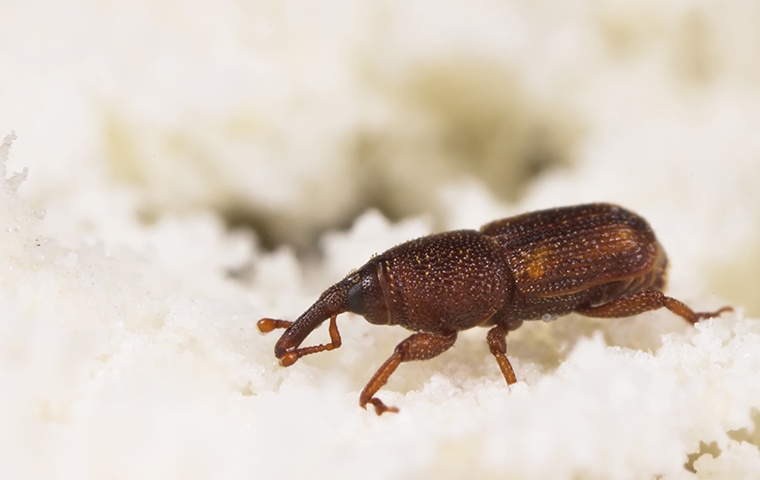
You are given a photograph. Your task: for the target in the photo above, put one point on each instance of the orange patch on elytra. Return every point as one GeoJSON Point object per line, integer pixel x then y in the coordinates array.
{"type": "Point", "coordinates": [620, 240]}
{"type": "Point", "coordinates": [536, 266]}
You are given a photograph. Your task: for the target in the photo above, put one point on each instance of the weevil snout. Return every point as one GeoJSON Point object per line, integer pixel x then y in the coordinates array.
{"type": "Point", "coordinates": [329, 305]}
{"type": "Point", "coordinates": [360, 292]}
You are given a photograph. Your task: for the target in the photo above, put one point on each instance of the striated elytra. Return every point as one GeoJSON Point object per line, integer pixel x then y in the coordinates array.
{"type": "Point", "coordinates": [599, 260]}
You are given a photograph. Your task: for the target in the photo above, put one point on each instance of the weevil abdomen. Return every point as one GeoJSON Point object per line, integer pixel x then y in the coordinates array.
{"type": "Point", "coordinates": [566, 250]}
{"type": "Point", "coordinates": [575, 255]}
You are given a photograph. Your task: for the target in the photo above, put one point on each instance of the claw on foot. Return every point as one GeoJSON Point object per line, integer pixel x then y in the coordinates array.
{"type": "Point", "coordinates": [380, 407]}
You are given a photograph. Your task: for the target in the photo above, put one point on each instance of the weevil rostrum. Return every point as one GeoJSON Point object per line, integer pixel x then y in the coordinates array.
{"type": "Point", "coordinates": [598, 260]}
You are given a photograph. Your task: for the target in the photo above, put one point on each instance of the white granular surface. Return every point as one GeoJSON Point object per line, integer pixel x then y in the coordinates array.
{"type": "Point", "coordinates": [128, 349]}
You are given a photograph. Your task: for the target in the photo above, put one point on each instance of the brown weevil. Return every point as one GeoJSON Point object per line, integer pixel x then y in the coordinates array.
{"type": "Point", "coordinates": [598, 260]}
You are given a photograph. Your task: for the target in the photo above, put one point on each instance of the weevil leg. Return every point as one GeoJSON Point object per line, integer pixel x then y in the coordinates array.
{"type": "Point", "coordinates": [420, 346]}
{"type": "Point", "coordinates": [645, 301]}
{"type": "Point", "coordinates": [497, 343]}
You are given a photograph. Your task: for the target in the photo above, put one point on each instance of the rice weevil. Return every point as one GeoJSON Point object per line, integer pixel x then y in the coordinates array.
{"type": "Point", "coordinates": [598, 260]}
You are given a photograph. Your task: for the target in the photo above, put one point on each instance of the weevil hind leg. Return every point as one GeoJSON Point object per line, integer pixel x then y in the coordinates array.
{"type": "Point", "coordinates": [420, 346]}
{"type": "Point", "coordinates": [646, 301]}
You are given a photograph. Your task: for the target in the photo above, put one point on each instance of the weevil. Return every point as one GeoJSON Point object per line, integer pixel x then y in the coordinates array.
{"type": "Point", "coordinates": [598, 260]}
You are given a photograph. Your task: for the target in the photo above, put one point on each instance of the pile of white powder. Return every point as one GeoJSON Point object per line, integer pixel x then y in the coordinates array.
{"type": "Point", "coordinates": [128, 305]}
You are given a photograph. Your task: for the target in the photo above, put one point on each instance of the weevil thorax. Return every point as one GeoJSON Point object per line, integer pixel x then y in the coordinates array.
{"type": "Point", "coordinates": [444, 282]}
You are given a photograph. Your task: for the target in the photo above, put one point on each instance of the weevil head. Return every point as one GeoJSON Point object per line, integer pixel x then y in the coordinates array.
{"type": "Point", "coordinates": [360, 292]}
{"type": "Point", "coordinates": [365, 295]}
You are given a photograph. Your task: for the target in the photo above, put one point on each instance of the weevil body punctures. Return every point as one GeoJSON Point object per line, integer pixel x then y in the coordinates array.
{"type": "Point", "coordinates": [598, 260]}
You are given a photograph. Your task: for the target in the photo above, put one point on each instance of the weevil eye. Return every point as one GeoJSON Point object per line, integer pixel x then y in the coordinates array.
{"type": "Point", "coordinates": [365, 296]}
{"type": "Point", "coordinates": [355, 301]}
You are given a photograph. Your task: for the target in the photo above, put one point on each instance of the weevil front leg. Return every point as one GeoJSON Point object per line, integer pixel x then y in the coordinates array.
{"type": "Point", "coordinates": [420, 346]}
{"type": "Point", "coordinates": [266, 325]}
{"type": "Point", "coordinates": [646, 301]}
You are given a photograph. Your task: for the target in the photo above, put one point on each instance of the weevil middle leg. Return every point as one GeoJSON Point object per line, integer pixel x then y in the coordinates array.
{"type": "Point", "coordinates": [497, 343]}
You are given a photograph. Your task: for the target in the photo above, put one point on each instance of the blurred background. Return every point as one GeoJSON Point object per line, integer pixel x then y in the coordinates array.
{"type": "Point", "coordinates": [292, 118]}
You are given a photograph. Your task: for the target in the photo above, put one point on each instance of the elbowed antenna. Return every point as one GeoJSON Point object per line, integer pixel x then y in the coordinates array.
{"type": "Point", "coordinates": [329, 305]}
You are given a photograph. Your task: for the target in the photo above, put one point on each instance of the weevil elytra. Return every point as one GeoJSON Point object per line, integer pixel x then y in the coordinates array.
{"type": "Point", "coordinates": [598, 260]}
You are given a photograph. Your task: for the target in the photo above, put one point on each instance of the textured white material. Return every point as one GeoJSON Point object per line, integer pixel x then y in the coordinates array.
{"type": "Point", "coordinates": [127, 350]}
